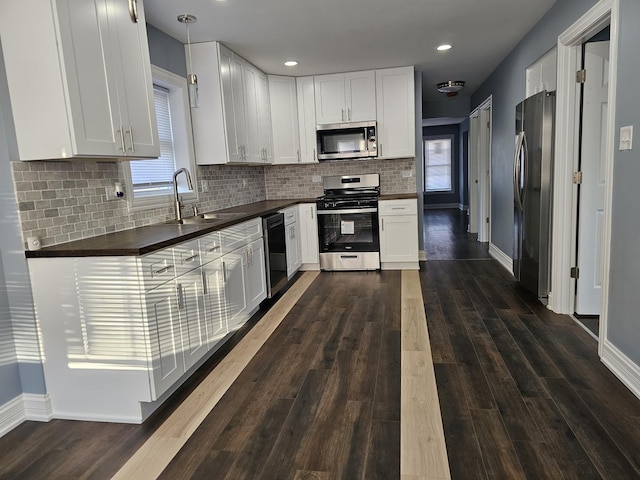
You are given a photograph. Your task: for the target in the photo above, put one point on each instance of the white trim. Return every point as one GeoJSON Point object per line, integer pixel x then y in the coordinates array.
{"type": "Point", "coordinates": [11, 415]}
{"type": "Point", "coordinates": [621, 366]}
{"type": "Point", "coordinates": [37, 407]}
{"type": "Point", "coordinates": [484, 191]}
{"type": "Point", "coordinates": [422, 256]}
{"type": "Point", "coordinates": [503, 259]}
{"type": "Point", "coordinates": [566, 147]}
{"type": "Point", "coordinates": [27, 406]}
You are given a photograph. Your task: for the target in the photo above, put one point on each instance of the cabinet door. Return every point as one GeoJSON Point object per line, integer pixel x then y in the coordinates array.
{"type": "Point", "coordinates": [395, 105]}
{"type": "Point", "coordinates": [214, 301]}
{"type": "Point", "coordinates": [306, 119]}
{"type": "Point", "coordinates": [264, 117]}
{"type": "Point", "coordinates": [284, 119]}
{"type": "Point", "coordinates": [398, 238]}
{"type": "Point", "coordinates": [308, 233]}
{"type": "Point", "coordinates": [330, 98]}
{"type": "Point", "coordinates": [135, 85]}
{"type": "Point", "coordinates": [360, 96]}
{"type": "Point", "coordinates": [192, 317]}
{"type": "Point", "coordinates": [256, 286]}
{"type": "Point", "coordinates": [254, 152]}
{"type": "Point", "coordinates": [228, 79]}
{"type": "Point", "coordinates": [234, 288]}
{"type": "Point", "coordinates": [239, 123]}
{"type": "Point", "coordinates": [167, 361]}
{"type": "Point", "coordinates": [293, 248]}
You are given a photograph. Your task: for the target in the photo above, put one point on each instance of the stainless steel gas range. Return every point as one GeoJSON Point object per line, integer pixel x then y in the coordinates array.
{"type": "Point", "coordinates": [348, 222]}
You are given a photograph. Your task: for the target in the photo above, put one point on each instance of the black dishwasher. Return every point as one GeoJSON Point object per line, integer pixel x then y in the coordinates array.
{"type": "Point", "coordinates": [275, 252]}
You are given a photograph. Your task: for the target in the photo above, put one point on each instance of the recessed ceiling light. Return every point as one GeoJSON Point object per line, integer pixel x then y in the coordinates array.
{"type": "Point", "coordinates": [444, 47]}
{"type": "Point", "coordinates": [291, 63]}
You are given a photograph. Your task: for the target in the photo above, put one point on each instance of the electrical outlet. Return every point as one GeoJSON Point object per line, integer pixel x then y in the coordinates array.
{"type": "Point", "coordinates": [204, 186]}
{"type": "Point", "coordinates": [316, 178]}
{"type": "Point", "coordinates": [407, 174]}
{"type": "Point", "coordinates": [626, 138]}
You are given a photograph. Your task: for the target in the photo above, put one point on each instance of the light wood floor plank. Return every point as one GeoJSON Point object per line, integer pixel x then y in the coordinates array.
{"type": "Point", "coordinates": [156, 453]}
{"type": "Point", "coordinates": [423, 453]}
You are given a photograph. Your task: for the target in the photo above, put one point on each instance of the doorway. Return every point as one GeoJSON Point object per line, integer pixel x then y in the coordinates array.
{"type": "Point", "coordinates": [591, 180]}
{"type": "Point", "coordinates": [480, 171]}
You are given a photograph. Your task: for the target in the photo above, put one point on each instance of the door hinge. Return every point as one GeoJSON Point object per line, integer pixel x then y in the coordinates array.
{"type": "Point", "coordinates": [487, 219]}
{"type": "Point", "coordinates": [581, 76]}
{"type": "Point", "coordinates": [575, 272]}
{"type": "Point", "coordinates": [488, 124]}
{"type": "Point", "coordinates": [577, 178]}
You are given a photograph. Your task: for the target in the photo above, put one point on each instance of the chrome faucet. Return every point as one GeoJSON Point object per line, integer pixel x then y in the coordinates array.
{"type": "Point", "coordinates": [176, 199]}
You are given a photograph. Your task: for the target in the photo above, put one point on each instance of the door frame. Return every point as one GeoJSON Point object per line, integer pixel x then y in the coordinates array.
{"type": "Point", "coordinates": [480, 143]}
{"type": "Point", "coordinates": [562, 297]}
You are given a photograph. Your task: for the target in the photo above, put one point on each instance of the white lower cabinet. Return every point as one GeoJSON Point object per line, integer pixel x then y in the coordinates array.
{"type": "Point", "coordinates": [119, 333]}
{"type": "Point", "coordinates": [309, 252]}
{"type": "Point", "coordinates": [398, 234]}
{"type": "Point", "coordinates": [292, 240]}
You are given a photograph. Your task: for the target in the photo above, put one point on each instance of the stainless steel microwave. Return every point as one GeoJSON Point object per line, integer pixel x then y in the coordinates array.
{"type": "Point", "coordinates": [347, 140]}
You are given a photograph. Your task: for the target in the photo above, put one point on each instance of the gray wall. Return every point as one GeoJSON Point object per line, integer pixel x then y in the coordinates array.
{"type": "Point", "coordinates": [507, 86]}
{"type": "Point", "coordinates": [17, 318]}
{"type": "Point", "coordinates": [166, 52]}
{"type": "Point", "coordinates": [446, 107]}
{"type": "Point", "coordinates": [624, 328]}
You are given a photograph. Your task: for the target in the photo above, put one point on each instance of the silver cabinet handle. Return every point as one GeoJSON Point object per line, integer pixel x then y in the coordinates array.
{"type": "Point", "coordinates": [299, 156]}
{"type": "Point", "coordinates": [382, 220]}
{"type": "Point", "coordinates": [160, 271]}
{"type": "Point", "coordinates": [214, 248]}
{"type": "Point", "coordinates": [205, 288]}
{"type": "Point", "coordinates": [191, 258]}
{"type": "Point", "coordinates": [349, 114]}
{"type": "Point", "coordinates": [314, 154]}
{"type": "Point", "coordinates": [121, 132]}
{"type": "Point", "coordinates": [133, 10]}
{"type": "Point", "coordinates": [179, 294]}
{"type": "Point", "coordinates": [342, 114]}
{"type": "Point", "coordinates": [380, 149]}
{"type": "Point", "coordinates": [224, 272]}
{"type": "Point", "coordinates": [130, 132]}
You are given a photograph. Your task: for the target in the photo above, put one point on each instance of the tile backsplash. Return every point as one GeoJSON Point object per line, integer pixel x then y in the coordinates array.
{"type": "Point", "coordinates": [63, 201]}
{"type": "Point", "coordinates": [297, 181]}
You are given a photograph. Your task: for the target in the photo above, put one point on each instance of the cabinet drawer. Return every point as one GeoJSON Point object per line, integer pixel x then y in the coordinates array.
{"type": "Point", "coordinates": [186, 256]}
{"type": "Point", "coordinates": [157, 268]}
{"type": "Point", "coordinates": [290, 215]}
{"type": "Point", "coordinates": [210, 247]}
{"type": "Point", "coordinates": [398, 207]}
{"type": "Point", "coordinates": [235, 237]}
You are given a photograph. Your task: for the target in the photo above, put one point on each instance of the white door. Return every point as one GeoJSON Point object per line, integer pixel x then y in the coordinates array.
{"type": "Point", "coordinates": [214, 301]}
{"type": "Point", "coordinates": [484, 171]}
{"type": "Point", "coordinates": [593, 152]}
{"type": "Point", "coordinates": [474, 136]}
{"type": "Point", "coordinates": [191, 309]}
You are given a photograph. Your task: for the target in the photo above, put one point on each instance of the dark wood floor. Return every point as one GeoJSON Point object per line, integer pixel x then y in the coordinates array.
{"type": "Point", "coordinates": [446, 237]}
{"type": "Point", "coordinates": [522, 391]}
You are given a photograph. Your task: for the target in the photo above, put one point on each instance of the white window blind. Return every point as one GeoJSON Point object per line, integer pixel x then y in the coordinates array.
{"type": "Point", "coordinates": [154, 177]}
{"type": "Point", "coordinates": [437, 165]}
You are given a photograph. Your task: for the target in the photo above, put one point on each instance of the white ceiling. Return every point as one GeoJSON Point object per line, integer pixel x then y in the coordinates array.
{"type": "Point", "coordinates": [328, 36]}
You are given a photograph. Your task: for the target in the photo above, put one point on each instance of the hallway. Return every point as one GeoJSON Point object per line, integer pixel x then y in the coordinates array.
{"type": "Point", "coordinates": [522, 391]}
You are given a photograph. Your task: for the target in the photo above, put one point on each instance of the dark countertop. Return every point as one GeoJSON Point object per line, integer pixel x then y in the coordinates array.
{"type": "Point", "coordinates": [398, 196]}
{"type": "Point", "coordinates": [147, 239]}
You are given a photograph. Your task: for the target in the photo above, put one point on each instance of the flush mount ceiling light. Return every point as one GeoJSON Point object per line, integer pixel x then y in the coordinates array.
{"type": "Point", "coordinates": [450, 86]}
{"type": "Point", "coordinates": [192, 78]}
{"type": "Point", "coordinates": [444, 47]}
{"type": "Point", "coordinates": [291, 63]}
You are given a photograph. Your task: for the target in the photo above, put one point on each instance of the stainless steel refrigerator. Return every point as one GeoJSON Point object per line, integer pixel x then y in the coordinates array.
{"type": "Point", "coordinates": [533, 190]}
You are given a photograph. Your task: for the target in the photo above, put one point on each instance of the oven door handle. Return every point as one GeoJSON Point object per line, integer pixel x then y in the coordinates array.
{"type": "Point", "coordinates": [347, 210]}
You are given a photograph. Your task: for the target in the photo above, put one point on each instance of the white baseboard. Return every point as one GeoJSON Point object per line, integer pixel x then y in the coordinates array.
{"type": "Point", "coordinates": [37, 407]}
{"type": "Point", "coordinates": [27, 406]}
{"type": "Point", "coordinates": [11, 415]}
{"type": "Point", "coordinates": [621, 366]}
{"type": "Point", "coordinates": [422, 256]}
{"type": "Point", "coordinates": [503, 259]}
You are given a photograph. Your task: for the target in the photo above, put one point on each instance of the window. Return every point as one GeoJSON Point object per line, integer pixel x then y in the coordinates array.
{"type": "Point", "coordinates": [437, 164]}
{"type": "Point", "coordinates": [151, 181]}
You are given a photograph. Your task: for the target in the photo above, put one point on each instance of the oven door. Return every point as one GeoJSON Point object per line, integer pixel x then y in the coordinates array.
{"type": "Point", "coordinates": [354, 230]}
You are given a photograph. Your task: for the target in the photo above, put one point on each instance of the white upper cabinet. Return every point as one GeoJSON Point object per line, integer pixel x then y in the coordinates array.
{"type": "Point", "coordinates": [395, 95]}
{"type": "Point", "coordinates": [79, 79]}
{"type": "Point", "coordinates": [232, 124]}
{"type": "Point", "coordinates": [345, 97]}
{"type": "Point", "coordinates": [284, 119]}
{"type": "Point", "coordinates": [306, 119]}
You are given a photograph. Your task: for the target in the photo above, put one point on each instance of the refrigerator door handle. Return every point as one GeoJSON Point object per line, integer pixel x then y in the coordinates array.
{"type": "Point", "coordinates": [516, 171]}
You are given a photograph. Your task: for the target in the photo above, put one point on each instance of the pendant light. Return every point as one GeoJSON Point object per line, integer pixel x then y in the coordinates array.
{"type": "Point", "coordinates": [192, 79]}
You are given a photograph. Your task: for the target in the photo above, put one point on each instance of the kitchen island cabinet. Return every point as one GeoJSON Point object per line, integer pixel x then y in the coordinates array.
{"type": "Point", "coordinates": [79, 79]}
{"type": "Point", "coordinates": [121, 333]}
